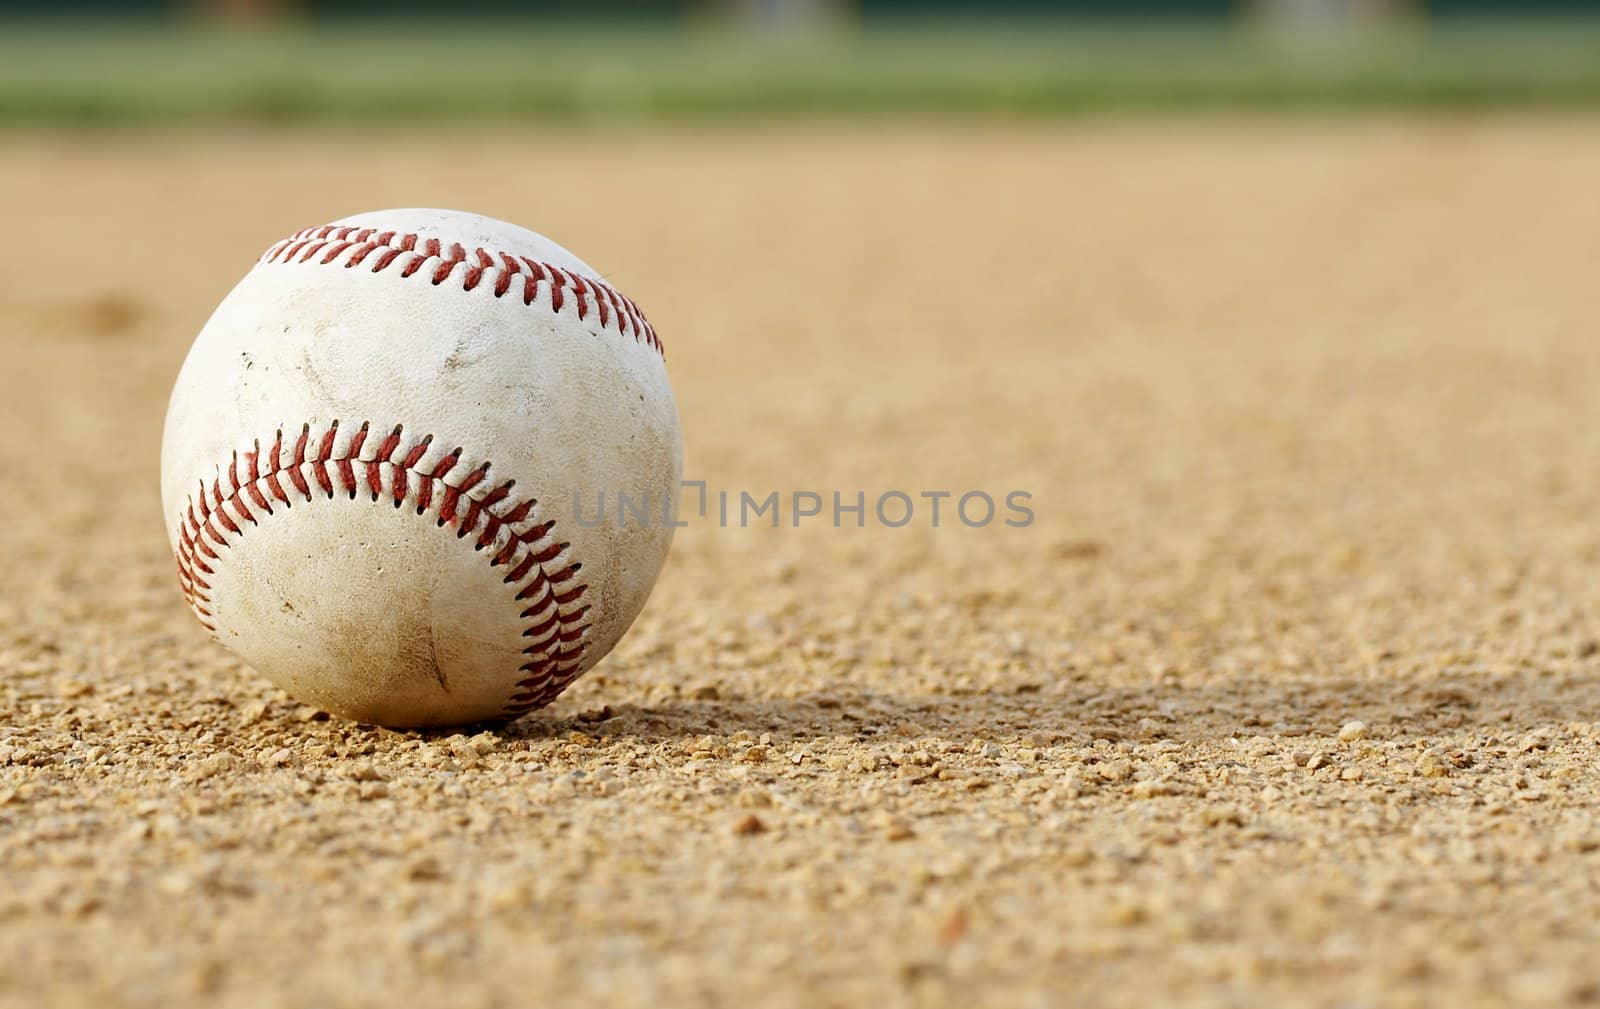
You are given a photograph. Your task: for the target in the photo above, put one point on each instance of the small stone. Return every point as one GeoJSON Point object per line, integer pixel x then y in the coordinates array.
{"type": "Point", "coordinates": [898, 830]}
{"type": "Point", "coordinates": [1433, 764]}
{"type": "Point", "coordinates": [750, 826]}
{"type": "Point", "coordinates": [1539, 739]}
{"type": "Point", "coordinates": [1352, 731]}
{"type": "Point", "coordinates": [1116, 770]}
{"type": "Point", "coordinates": [280, 758]}
{"type": "Point", "coordinates": [210, 767]}
{"type": "Point", "coordinates": [373, 790]}
{"type": "Point", "coordinates": [1151, 788]}
{"type": "Point", "coordinates": [425, 869]}
{"type": "Point", "coordinates": [364, 771]}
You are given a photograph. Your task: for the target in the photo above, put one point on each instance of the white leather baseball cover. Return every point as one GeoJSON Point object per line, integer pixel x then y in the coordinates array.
{"type": "Point", "coordinates": [373, 455]}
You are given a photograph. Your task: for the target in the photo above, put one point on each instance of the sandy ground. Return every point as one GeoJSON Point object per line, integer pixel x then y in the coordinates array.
{"type": "Point", "coordinates": [1290, 695]}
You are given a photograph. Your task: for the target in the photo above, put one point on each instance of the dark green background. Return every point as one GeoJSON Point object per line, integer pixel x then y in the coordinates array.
{"type": "Point", "coordinates": [647, 9]}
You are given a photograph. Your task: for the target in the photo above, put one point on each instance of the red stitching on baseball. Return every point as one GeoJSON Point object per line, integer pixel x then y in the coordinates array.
{"type": "Point", "coordinates": [352, 247]}
{"type": "Point", "coordinates": [552, 660]}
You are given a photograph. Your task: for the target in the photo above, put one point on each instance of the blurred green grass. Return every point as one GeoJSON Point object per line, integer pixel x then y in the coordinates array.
{"type": "Point", "coordinates": [54, 73]}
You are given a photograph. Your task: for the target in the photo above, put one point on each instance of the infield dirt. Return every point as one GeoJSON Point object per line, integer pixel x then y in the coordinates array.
{"type": "Point", "coordinates": [1288, 696]}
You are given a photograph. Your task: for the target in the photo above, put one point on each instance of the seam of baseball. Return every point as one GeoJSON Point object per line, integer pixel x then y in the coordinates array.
{"type": "Point", "coordinates": [386, 468]}
{"type": "Point", "coordinates": [351, 246]}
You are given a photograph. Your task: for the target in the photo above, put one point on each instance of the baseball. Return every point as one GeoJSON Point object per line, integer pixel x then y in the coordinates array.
{"type": "Point", "coordinates": [383, 462]}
